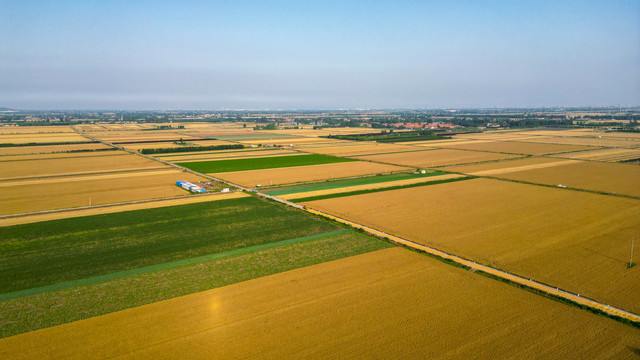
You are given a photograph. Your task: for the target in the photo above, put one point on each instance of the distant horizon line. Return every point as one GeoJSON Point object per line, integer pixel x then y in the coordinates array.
{"type": "Point", "coordinates": [7, 109]}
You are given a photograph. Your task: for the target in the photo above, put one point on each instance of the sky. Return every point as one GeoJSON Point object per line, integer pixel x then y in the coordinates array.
{"type": "Point", "coordinates": [134, 55]}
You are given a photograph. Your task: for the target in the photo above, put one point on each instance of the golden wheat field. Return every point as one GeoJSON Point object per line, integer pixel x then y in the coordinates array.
{"type": "Point", "coordinates": [505, 165]}
{"type": "Point", "coordinates": [119, 208]}
{"type": "Point", "coordinates": [613, 178]}
{"type": "Point", "coordinates": [49, 149]}
{"type": "Point", "coordinates": [66, 192]}
{"type": "Point", "coordinates": [609, 155]}
{"type": "Point", "coordinates": [590, 141]}
{"type": "Point", "coordinates": [513, 147]}
{"type": "Point", "coordinates": [132, 137]}
{"type": "Point", "coordinates": [79, 165]}
{"type": "Point", "coordinates": [224, 154]}
{"type": "Point", "coordinates": [41, 138]}
{"type": "Point", "coordinates": [387, 304]}
{"type": "Point", "coordinates": [289, 175]}
{"type": "Point", "coordinates": [9, 158]}
{"type": "Point", "coordinates": [434, 158]}
{"type": "Point", "coordinates": [8, 130]}
{"type": "Point", "coordinates": [359, 149]}
{"type": "Point", "coordinates": [575, 240]}
{"type": "Point", "coordinates": [231, 155]}
{"type": "Point", "coordinates": [172, 144]}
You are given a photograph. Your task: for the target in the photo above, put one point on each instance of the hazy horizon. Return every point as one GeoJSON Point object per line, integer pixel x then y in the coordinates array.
{"type": "Point", "coordinates": [329, 55]}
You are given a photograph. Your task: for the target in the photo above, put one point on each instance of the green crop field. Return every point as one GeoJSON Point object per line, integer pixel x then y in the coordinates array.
{"type": "Point", "coordinates": [34, 312]}
{"type": "Point", "coordinates": [51, 252]}
{"type": "Point", "coordinates": [334, 184]}
{"type": "Point", "coordinates": [218, 166]}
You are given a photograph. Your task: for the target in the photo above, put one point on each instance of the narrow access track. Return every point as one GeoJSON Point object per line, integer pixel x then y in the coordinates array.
{"type": "Point", "coordinates": [576, 298]}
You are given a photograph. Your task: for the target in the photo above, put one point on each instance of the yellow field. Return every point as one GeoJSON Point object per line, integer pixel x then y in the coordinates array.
{"type": "Point", "coordinates": [514, 147]}
{"type": "Point", "coordinates": [610, 155]}
{"type": "Point", "coordinates": [284, 141]}
{"type": "Point", "coordinates": [370, 186]}
{"type": "Point", "coordinates": [8, 130]}
{"type": "Point", "coordinates": [131, 136]}
{"type": "Point", "coordinates": [66, 192]}
{"type": "Point", "coordinates": [8, 158]}
{"type": "Point", "coordinates": [171, 144]}
{"type": "Point", "coordinates": [119, 208]}
{"type": "Point", "coordinates": [590, 141]}
{"type": "Point", "coordinates": [359, 148]}
{"type": "Point", "coordinates": [590, 175]}
{"type": "Point", "coordinates": [296, 174]}
{"type": "Point", "coordinates": [574, 240]}
{"type": "Point", "coordinates": [48, 149]}
{"type": "Point", "coordinates": [67, 166]}
{"type": "Point", "coordinates": [234, 155]}
{"type": "Point", "coordinates": [388, 304]}
{"type": "Point", "coordinates": [504, 166]}
{"type": "Point", "coordinates": [433, 158]}
{"type": "Point", "coordinates": [41, 138]}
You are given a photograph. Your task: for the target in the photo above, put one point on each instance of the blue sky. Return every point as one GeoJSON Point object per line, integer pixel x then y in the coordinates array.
{"type": "Point", "coordinates": [318, 54]}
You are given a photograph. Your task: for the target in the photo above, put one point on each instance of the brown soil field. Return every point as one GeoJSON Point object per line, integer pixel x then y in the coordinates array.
{"type": "Point", "coordinates": [22, 197]}
{"type": "Point", "coordinates": [119, 208]}
{"type": "Point", "coordinates": [609, 155]}
{"type": "Point", "coordinates": [438, 157]}
{"type": "Point", "coordinates": [360, 148]}
{"type": "Point", "coordinates": [51, 167]}
{"type": "Point", "coordinates": [41, 138]}
{"type": "Point", "coordinates": [512, 147]}
{"type": "Point", "coordinates": [369, 186]}
{"type": "Point", "coordinates": [573, 240]}
{"type": "Point", "coordinates": [8, 158]}
{"type": "Point", "coordinates": [614, 178]}
{"type": "Point", "coordinates": [7, 130]}
{"type": "Point", "coordinates": [386, 304]}
{"type": "Point", "coordinates": [48, 149]}
{"type": "Point", "coordinates": [297, 174]}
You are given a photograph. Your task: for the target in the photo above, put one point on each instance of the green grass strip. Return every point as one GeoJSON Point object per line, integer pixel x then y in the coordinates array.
{"type": "Point", "coordinates": [218, 166]}
{"type": "Point", "coordinates": [168, 265]}
{"type": "Point", "coordinates": [334, 184]}
{"type": "Point", "coordinates": [359, 192]}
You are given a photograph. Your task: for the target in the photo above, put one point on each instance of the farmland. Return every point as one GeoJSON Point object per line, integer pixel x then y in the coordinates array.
{"type": "Point", "coordinates": [79, 165]}
{"type": "Point", "coordinates": [90, 247]}
{"type": "Point", "coordinates": [512, 147]}
{"type": "Point", "coordinates": [61, 306]}
{"type": "Point", "coordinates": [48, 149]}
{"type": "Point", "coordinates": [329, 310]}
{"type": "Point", "coordinates": [220, 166]}
{"type": "Point", "coordinates": [573, 240]}
{"type": "Point", "coordinates": [154, 271]}
{"type": "Point", "coordinates": [290, 175]}
{"type": "Point", "coordinates": [434, 158]}
{"type": "Point", "coordinates": [21, 196]}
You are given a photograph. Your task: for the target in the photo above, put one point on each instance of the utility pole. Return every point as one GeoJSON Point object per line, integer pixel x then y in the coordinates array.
{"type": "Point", "coordinates": [631, 257]}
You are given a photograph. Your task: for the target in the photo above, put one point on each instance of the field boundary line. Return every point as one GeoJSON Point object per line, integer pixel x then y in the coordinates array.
{"type": "Point", "coordinates": [500, 274]}
{"type": "Point", "coordinates": [167, 265]}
